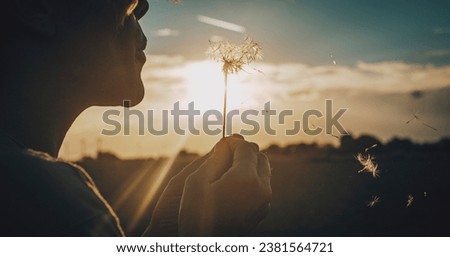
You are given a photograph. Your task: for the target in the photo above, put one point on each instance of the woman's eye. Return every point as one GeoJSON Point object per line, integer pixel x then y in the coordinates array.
{"type": "Point", "coordinates": [132, 7]}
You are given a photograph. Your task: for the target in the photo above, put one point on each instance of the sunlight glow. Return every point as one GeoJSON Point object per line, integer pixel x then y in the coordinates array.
{"type": "Point", "coordinates": [205, 87]}
{"type": "Point", "coordinates": [159, 174]}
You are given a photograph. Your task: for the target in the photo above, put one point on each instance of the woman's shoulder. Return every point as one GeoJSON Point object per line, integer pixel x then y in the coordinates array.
{"type": "Point", "coordinates": [53, 191]}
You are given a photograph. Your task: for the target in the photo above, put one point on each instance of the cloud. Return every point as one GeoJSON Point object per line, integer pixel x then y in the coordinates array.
{"type": "Point", "coordinates": [216, 38]}
{"type": "Point", "coordinates": [375, 77]}
{"type": "Point", "coordinates": [164, 60]}
{"type": "Point", "coordinates": [377, 95]}
{"type": "Point", "coordinates": [176, 1]}
{"type": "Point", "coordinates": [221, 24]}
{"type": "Point", "coordinates": [162, 79]}
{"type": "Point", "coordinates": [289, 82]}
{"type": "Point", "coordinates": [166, 32]}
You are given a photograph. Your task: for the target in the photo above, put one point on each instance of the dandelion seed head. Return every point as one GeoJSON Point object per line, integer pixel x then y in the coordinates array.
{"type": "Point", "coordinates": [234, 56]}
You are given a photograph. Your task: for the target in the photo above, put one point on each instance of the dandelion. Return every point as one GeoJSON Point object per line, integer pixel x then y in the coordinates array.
{"type": "Point", "coordinates": [367, 161]}
{"type": "Point", "coordinates": [409, 201]}
{"type": "Point", "coordinates": [233, 57]}
{"type": "Point", "coordinates": [375, 200]}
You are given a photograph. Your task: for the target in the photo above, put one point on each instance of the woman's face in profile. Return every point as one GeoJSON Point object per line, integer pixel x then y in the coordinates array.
{"type": "Point", "coordinates": [131, 44]}
{"type": "Point", "coordinates": [110, 52]}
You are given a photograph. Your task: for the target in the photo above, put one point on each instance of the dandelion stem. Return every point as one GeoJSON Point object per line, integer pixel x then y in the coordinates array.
{"type": "Point", "coordinates": [225, 103]}
{"type": "Point", "coordinates": [233, 57]}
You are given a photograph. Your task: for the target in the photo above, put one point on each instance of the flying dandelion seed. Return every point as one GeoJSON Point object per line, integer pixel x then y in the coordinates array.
{"type": "Point", "coordinates": [376, 172]}
{"type": "Point", "coordinates": [337, 136]}
{"type": "Point", "coordinates": [416, 117]}
{"type": "Point", "coordinates": [424, 194]}
{"type": "Point", "coordinates": [233, 57]}
{"type": "Point", "coordinates": [259, 71]}
{"type": "Point", "coordinates": [370, 148]}
{"type": "Point", "coordinates": [428, 126]}
{"type": "Point", "coordinates": [409, 201]}
{"type": "Point", "coordinates": [333, 60]}
{"type": "Point", "coordinates": [375, 200]}
{"type": "Point", "coordinates": [367, 161]}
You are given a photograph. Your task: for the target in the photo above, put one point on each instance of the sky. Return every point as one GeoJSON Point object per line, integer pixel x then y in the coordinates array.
{"type": "Point", "coordinates": [367, 56]}
{"type": "Point", "coordinates": [306, 31]}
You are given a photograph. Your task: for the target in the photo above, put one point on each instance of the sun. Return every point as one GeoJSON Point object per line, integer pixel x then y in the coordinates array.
{"type": "Point", "coordinates": [205, 86]}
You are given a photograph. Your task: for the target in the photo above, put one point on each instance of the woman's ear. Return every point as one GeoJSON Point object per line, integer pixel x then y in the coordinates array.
{"type": "Point", "coordinates": [37, 16]}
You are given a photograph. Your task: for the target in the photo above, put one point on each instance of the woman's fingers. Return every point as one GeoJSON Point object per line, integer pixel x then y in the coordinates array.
{"type": "Point", "coordinates": [219, 161]}
{"type": "Point", "coordinates": [264, 169]}
{"type": "Point", "coordinates": [245, 158]}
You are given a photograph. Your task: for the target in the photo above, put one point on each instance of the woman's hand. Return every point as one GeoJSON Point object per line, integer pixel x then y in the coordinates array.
{"type": "Point", "coordinates": [226, 192]}
{"type": "Point", "coordinates": [229, 194]}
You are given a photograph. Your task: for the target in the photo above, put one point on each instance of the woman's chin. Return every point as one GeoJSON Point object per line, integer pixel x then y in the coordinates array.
{"type": "Point", "coordinates": [129, 96]}
{"type": "Point", "coordinates": [137, 97]}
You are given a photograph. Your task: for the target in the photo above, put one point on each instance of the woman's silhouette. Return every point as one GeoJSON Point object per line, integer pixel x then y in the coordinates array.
{"type": "Point", "coordinates": [60, 57]}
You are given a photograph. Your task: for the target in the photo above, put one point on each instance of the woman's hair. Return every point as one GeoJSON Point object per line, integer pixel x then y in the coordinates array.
{"type": "Point", "coordinates": [77, 11]}
{"type": "Point", "coordinates": [92, 7]}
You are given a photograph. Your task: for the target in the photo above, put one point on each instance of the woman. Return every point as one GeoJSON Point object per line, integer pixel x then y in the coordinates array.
{"type": "Point", "coordinates": [63, 56]}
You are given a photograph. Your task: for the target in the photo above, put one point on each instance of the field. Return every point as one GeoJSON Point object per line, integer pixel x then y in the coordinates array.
{"type": "Point", "coordinates": [317, 190]}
